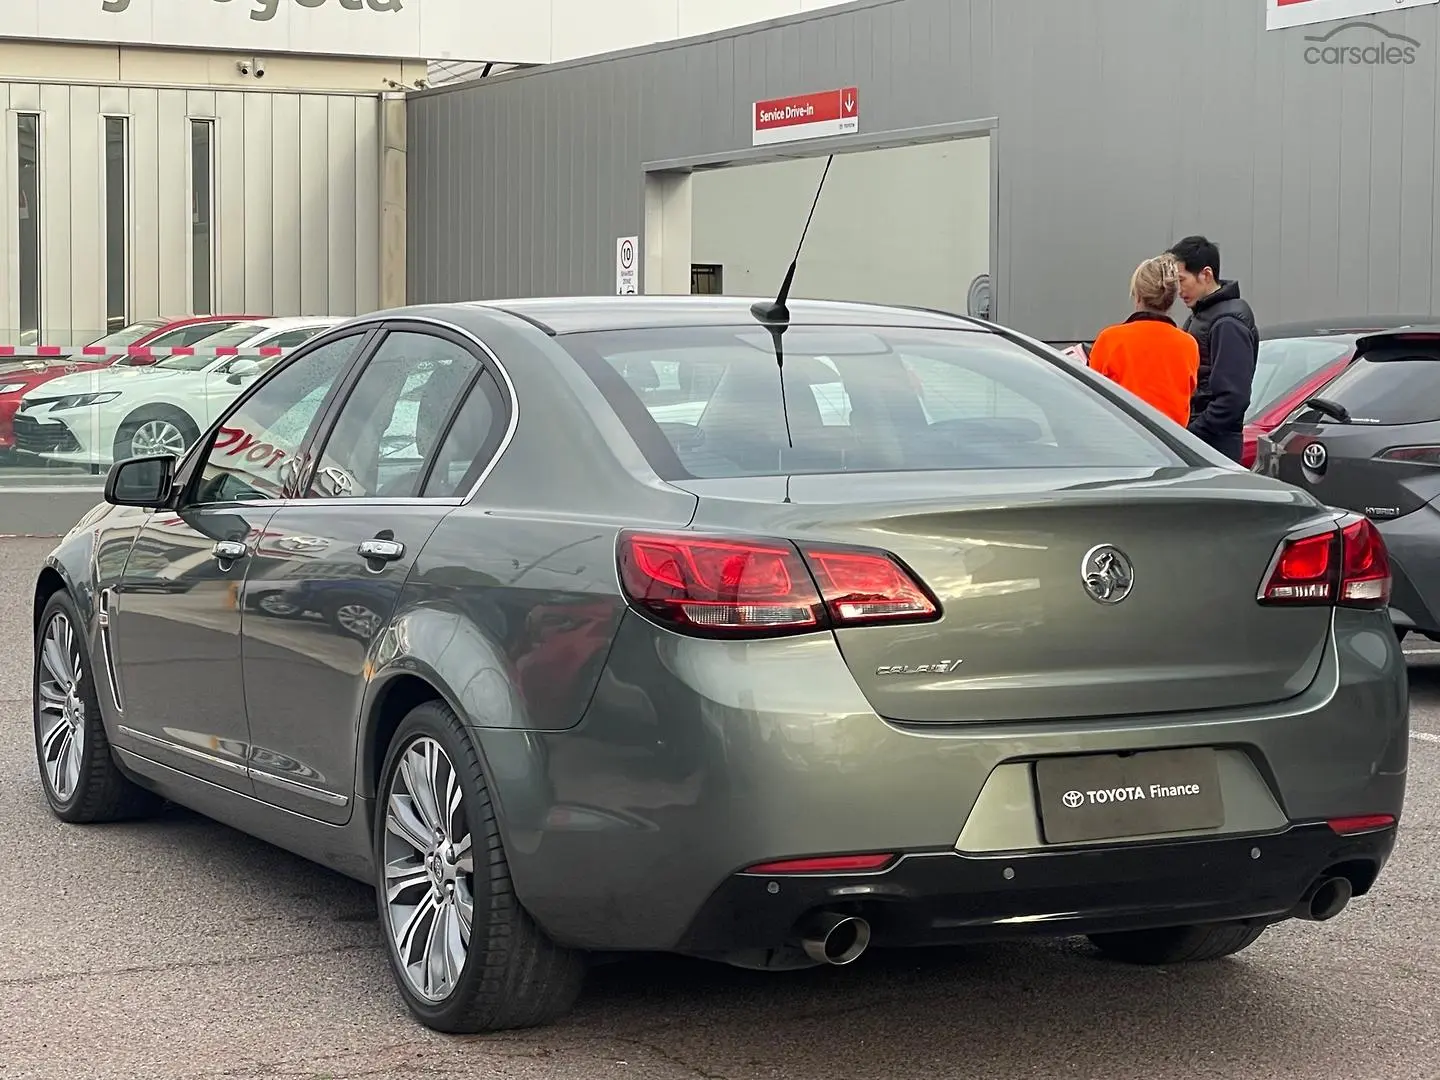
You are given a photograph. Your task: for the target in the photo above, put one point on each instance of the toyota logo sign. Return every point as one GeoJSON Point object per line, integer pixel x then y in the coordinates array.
{"type": "Point", "coordinates": [1072, 799]}
{"type": "Point", "coordinates": [1313, 456]}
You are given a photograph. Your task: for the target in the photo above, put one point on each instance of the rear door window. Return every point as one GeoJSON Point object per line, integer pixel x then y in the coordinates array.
{"type": "Point", "coordinates": [1393, 389]}
{"type": "Point", "coordinates": [714, 402]}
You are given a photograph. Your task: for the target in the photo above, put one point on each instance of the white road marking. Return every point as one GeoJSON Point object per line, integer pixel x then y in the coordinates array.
{"type": "Point", "coordinates": [1421, 652]}
{"type": "Point", "coordinates": [1425, 736]}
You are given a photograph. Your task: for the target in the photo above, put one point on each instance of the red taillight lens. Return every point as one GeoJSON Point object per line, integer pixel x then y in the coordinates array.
{"type": "Point", "coordinates": [741, 586]}
{"type": "Point", "coordinates": [867, 587]}
{"type": "Point", "coordinates": [1346, 566]}
{"type": "Point", "coordinates": [1412, 455]}
{"type": "Point", "coordinates": [825, 864]}
{"type": "Point", "coordinates": [702, 583]}
{"type": "Point", "coordinates": [1349, 826]}
{"type": "Point", "coordinates": [1305, 572]}
{"type": "Point", "coordinates": [1365, 577]}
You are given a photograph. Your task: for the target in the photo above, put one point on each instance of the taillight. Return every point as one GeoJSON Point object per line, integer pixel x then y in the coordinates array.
{"type": "Point", "coordinates": [1365, 572]}
{"type": "Point", "coordinates": [741, 586]}
{"type": "Point", "coordinates": [1412, 455]}
{"type": "Point", "coordinates": [1345, 566]}
{"type": "Point", "coordinates": [867, 586]}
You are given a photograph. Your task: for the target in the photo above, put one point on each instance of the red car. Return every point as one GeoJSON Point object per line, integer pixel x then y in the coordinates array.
{"type": "Point", "coordinates": [1296, 360]}
{"type": "Point", "coordinates": [20, 375]}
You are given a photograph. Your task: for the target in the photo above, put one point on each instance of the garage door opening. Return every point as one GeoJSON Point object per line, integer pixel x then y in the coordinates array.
{"type": "Point", "coordinates": [903, 225]}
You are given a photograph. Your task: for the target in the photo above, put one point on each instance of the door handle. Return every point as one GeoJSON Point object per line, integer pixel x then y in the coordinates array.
{"type": "Point", "coordinates": [230, 550]}
{"type": "Point", "coordinates": [381, 550]}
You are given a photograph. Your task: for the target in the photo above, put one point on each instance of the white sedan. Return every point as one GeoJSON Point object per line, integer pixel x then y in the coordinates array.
{"type": "Point", "coordinates": [101, 416]}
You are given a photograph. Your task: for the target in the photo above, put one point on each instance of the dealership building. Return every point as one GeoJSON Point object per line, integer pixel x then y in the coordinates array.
{"type": "Point", "coordinates": [168, 157]}
{"type": "Point", "coordinates": [1013, 158]}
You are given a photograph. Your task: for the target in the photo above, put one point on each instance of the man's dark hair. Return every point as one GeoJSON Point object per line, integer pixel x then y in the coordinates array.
{"type": "Point", "coordinates": [1195, 253]}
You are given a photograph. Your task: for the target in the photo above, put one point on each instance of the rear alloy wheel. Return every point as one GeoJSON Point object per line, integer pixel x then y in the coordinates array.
{"type": "Point", "coordinates": [466, 955]}
{"type": "Point", "coordinates": [155, 430]}
{"type": "Point", "coordinates": [82, 783]}
{"type": "Point", "coordinates": [1178, 944]}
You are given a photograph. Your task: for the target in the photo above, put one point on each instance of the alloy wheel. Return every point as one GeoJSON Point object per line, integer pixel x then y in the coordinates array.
{"type": "Point", "coordinates": [60, 708]}
{"type": "Point", "coordinates": [429, 870]}
{"type": "Point", "coordinates": [157, 437]}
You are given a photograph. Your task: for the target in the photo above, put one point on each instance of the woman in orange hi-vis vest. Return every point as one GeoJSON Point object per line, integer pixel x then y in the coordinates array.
{"type": "Point", "coordinates": [1148, 354]}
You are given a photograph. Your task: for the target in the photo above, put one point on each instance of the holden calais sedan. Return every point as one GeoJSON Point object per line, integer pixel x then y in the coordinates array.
{"type": "Point", "coordinates": [764, 635]}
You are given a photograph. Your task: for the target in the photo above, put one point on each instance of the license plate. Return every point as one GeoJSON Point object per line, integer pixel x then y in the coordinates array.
{"type": "Point", "coordinates": [1113, 796]}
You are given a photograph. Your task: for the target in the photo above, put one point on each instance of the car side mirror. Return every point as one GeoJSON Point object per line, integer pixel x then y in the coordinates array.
{"type": "Point", "coordinates": [243, 369]}
{"type": "Point", "coordinates": [143, 481]}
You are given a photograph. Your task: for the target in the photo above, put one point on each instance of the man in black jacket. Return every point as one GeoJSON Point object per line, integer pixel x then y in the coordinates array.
{"type": "Point", "coordinates": [1224, 327]}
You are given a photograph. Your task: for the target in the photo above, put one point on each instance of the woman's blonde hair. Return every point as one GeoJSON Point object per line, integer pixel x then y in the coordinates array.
{"type": "Point", "coordinates": [1156, 283]}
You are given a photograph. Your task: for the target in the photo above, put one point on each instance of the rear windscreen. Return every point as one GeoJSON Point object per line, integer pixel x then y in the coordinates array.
{"type": "Point", "coordinates": [1388, 388]}
{"type": "Point", "coordinates": [1285, 363]}
{"type": "Point", "coordinates": [711, 402]}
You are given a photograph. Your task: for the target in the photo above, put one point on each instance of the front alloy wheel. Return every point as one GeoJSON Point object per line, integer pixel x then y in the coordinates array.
{"type": "Point", "coordinates": [81, 780]}
{"type": "Point", "coordinates": [467, 956]}
{"type": "Point", "coordinates": [60, 710]}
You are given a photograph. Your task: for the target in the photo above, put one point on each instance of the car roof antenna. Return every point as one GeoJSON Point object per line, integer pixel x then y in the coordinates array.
{"type": "Point", "coordinates": [775, 315]}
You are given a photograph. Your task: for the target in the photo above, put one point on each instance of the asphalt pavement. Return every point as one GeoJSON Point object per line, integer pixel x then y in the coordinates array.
{"type": "Point", "coordinates": [180, 948]}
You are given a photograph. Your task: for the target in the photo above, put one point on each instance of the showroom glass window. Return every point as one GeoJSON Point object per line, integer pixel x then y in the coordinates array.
{"type": "Point", "coordinates": [28, 162]}
{"type": "Point", "coordinates": [202, 215]}
{"type": "Point", "coordinates": [255, 450]}
{"type": "Point", "coordinates": [117, 223]}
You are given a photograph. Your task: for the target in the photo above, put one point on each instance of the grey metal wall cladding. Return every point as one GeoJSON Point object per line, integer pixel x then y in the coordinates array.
{"type": "Point", "coordinates": [1122, 125]}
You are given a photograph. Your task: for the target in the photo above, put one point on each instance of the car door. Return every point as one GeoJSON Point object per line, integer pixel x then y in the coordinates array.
{"type": "Point", "coordinates": [393, 460]}
{"type": "Point", "coordinates": [174, 620]}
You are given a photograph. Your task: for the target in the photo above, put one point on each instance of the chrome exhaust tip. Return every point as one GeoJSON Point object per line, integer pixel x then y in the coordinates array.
{"type": "Point", "coordinates": [831, 938]}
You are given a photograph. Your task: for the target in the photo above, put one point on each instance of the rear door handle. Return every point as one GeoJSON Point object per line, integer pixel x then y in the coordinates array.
{"type": "Point", "coordinates": [230, 550]}
{"type": "Point", "coordinates": [381, 550]}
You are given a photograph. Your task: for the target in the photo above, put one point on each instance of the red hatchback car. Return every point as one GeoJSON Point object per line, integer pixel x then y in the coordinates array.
{"type": "Point", "coordinates": [1296, 360]}
{"type": "Point", "coordinates": [21, 375]}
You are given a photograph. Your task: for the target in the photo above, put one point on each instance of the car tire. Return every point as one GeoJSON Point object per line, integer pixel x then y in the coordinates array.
{"type": "Point", "coordinates": [1178, 944]}
{"type": "Point", "coordinates": [82, 783]}
{"type": "Point", "coordinates": [158, 416]}
{"type": "Point", "coordinates": [516, 977]}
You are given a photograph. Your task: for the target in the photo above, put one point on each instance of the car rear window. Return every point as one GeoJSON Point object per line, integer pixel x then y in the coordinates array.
{"type": "Point", "coordinates": [711, 402]}
{"type": "Point", "coordinates": [1392, 386]}
{"type": "Point", "coordinates": [1285, 363]}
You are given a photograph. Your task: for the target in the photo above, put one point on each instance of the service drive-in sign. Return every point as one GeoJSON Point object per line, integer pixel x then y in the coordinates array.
{"type": "Point", "coordinates": [1280, 14]}
{"type": "Point", "coordinates": [806, 116]}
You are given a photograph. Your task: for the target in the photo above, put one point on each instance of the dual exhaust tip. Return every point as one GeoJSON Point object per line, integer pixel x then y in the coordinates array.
{"type": "Point", "coordinates": [1325, 899]}
{"type": "Point", "coordinates": [835, 939]}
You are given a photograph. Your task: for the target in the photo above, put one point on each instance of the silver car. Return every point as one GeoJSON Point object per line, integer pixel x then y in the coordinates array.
{"type": "Point", "coordinates": [766, 638]}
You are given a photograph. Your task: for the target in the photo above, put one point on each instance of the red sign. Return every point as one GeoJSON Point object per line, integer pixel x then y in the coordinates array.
{"type": "Point", "coordinates": [806, 116]}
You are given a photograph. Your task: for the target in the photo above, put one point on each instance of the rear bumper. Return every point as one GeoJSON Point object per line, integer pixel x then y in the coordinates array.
{"type": "Point", "coordinates": [949, 898]}
{"type": "Point", "coordinates": [697, 759]}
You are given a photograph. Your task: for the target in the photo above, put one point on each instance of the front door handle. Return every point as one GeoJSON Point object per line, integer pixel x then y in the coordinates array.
{"type": "Point", "coordinates": [381, 550]}
{"type": "Point", "coordinates": [230, 550]}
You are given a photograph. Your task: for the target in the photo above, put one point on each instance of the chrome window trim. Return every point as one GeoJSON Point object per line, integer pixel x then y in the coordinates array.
{"type": "Point", "coordinates": [364, 328]}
